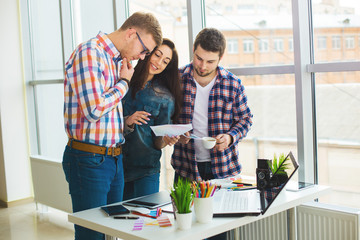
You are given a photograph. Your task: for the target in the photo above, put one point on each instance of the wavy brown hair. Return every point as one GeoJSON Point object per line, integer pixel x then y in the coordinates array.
{"type": "Point", "coordinates": [169, 78]}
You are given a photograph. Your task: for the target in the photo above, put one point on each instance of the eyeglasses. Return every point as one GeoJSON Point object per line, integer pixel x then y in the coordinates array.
{"type": "Point", "coordinates": [146, 51]}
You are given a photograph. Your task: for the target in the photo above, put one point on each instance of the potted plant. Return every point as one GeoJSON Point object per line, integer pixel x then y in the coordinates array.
{"type": "Point", "coordinates": [278, 167]}
{"type": "Point", "coordinates": [182, 197]}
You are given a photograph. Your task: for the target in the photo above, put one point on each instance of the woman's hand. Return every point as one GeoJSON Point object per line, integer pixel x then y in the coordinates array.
{"type": "Point", "coordinates": [138, 118]}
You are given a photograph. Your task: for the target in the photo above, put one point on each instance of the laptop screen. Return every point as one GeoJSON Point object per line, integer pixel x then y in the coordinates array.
{"type": "Point", "coordinates": [268, 195]}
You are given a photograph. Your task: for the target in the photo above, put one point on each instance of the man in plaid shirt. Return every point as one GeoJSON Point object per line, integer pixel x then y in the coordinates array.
{"type": "Point", "coordinates": [216, 105]}
{"type": "Point", "coordinates": [96, 79]}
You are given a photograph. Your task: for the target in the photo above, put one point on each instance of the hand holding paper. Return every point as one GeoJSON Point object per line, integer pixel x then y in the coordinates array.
{"type": "Point", "coordinates": [171, 129]}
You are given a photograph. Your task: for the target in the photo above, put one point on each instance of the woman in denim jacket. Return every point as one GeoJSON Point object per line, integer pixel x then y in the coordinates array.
{"type": "Point", "coordinates": [154, 98]}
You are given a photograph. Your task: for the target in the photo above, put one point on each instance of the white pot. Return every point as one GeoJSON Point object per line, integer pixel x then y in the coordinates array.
{"type": "Point", "coordinates": [183, 220]}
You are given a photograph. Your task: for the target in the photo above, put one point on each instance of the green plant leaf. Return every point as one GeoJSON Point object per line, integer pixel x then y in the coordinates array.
{"type": "Point", "coordinates": [182, 193]}
{"type": "Point", "coordinates": [276, 162]}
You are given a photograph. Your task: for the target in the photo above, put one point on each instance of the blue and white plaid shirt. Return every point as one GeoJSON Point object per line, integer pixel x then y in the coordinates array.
{"type": "Point", "coordinates": [228, 112]}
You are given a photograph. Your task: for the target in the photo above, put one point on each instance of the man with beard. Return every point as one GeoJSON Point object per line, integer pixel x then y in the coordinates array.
{"type": "Point", "coordinates": [216, 105]}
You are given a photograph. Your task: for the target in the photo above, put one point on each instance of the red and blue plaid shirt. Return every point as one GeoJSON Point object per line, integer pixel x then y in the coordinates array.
{"type": "Point", "coordinates": [228, 113]}
{"type": "Point", "coordinates": [92, 93]}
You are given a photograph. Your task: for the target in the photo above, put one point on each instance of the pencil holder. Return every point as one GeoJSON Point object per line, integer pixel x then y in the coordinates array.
{"type": "Point", "coordinates": [203, 209]}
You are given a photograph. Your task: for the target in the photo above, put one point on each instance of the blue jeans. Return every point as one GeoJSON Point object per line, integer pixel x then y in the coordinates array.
{"type": "Point", "coordinates": [94, 180]}
{"type": "Point", "coordinates": [142, 186]}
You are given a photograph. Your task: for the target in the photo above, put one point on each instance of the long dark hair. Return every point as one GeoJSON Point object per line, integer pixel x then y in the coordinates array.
{"type": "Point", "coordinates": [168, 78]}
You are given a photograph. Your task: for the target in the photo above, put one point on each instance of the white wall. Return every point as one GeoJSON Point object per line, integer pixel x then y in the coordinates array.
{"type": "Point", "coordinates": [15, 178]}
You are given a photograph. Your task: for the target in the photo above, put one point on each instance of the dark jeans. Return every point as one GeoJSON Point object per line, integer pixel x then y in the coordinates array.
{"type": "Point", "coordinates": [142, 186]}
{"type": "Point", "coordinates": [94, 180]}
{"type": "Point", "coordinates": [206, 174]}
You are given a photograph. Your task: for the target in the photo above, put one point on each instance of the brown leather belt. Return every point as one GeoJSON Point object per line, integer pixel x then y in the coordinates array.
{"type": "Point", "coordinates": [87, 147]}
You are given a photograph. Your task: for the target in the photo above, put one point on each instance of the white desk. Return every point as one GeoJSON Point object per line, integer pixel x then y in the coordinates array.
{"type": "Point", "coordinates": [95, 219]}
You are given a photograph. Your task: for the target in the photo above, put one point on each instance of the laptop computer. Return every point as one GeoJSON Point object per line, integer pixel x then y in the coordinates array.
{"type": "Point", "coordinates": [228, 203]}
{"type": "Point", "coordinates": [150, 201]}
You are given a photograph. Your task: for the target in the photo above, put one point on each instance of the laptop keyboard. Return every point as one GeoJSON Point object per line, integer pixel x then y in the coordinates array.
{"type": "Point", "coordinates": [234, 200]}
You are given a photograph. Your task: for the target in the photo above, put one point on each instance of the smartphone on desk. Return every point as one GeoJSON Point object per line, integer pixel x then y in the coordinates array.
{"type": "Point", "coordinates": [115, 210]}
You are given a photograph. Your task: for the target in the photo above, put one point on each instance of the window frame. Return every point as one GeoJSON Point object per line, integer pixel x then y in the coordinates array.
{"type": "Point", "coordinates": [248, 45]}
{"type": "Point", "coordinates": [278, 44]}
{"type": "Point", "coordinates": [261, 43]}
{"type": "Point", "coordinates": [232, 46]}
{"type": "Point", "coordinates": [304, 77]}
{"type": "Point", "coordinates": [320, 42]}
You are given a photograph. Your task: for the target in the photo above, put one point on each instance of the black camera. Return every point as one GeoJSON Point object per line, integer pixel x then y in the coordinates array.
{"type": "Point", "coordinates": [263, 174]}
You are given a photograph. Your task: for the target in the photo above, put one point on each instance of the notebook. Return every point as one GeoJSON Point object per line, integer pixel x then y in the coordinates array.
{"type": "Point", "coordinates": [150, 201]}
{"type": "Point", "coordinates": [228, 203]}
{"type": "Point", "coordinates": [115, 210]}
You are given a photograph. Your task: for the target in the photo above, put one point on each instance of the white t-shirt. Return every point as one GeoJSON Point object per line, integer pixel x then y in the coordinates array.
{"type": "Point", "coordinates": [200, 120]}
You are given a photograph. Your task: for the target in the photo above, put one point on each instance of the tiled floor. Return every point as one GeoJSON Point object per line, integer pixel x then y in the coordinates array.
{"type": "Point", "coordinates": [25, 222]}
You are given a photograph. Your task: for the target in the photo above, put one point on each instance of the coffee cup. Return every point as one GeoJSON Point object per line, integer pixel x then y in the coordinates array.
{"type": "Point", "coordinates": [208, 142]}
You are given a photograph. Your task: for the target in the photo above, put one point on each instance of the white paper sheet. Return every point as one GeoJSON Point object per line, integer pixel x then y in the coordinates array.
{"type": "Point", "coordinates": [171, 129]}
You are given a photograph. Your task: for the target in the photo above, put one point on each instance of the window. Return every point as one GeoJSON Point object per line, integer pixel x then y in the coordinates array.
{"type": "Point", "coordinates": [172, 20]}
{"type": "Point", "coordinates": [88, 26]}
{"type": "Point", "coordinates": [48, 60]}
{"type": "Point", "coordinates": [48, 137]}
{"type": "Point", "coordinates": [269, 133]}
{"type": "Point", "coordinates": [321, 42]}
{"type": "Point", "coordinates": [245, 8]}
{"type": "Point", "coordinates": [336, 100]}
{"type": "Point", "coordinates": [248, 46]}
{"type": "Point", "coordinates": [336, 42]}
{"type": "Point", "coordinates": [263, 45]}
{"type": "Point", "coordinates": [232, 46]}
{"type": "Point", "coordinates": [291, 44]}
{"type": "Point", "coordinates": [256, 24]}
{"type": "Point", "coordinates": [336, 91]}
{"type": "Point", "coordinates": [54, 38]}
{"type": "Point", "coordinates": [265, 92]}
{"type": "Point", "coordinates": [349, 42]}
{"type": "Point", "coordinates": [339, 24]}
{"type": "Point", "coordinates": [279, 45]}
{"type": "Point", "coordinates": [229, 9]}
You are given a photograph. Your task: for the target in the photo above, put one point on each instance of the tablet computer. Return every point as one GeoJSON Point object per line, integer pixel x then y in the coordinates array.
{"type": "Point", "coordinates": [150, 201]}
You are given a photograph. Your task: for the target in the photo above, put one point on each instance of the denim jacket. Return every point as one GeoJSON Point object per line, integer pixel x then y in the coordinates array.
{"type": "Point", "coordinates": [140, 157]}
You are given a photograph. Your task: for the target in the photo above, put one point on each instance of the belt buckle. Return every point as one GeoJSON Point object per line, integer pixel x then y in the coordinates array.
{"type": "Point", "coordinates": [113, 152]}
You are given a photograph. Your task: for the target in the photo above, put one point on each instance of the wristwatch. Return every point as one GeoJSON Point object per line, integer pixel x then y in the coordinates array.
{"type": "Point", "coordinates": [126, 80]}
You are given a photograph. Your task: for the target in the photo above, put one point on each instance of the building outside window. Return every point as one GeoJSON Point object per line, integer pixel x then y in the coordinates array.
{"type": "Point", "coordinates": [350, 42]}
{"type": "Point", "coordinates": [263, 45]}
{"type": "Point", "coordinates": [321, 42]}
{"type": "Point", "coordinates": [232, 46]}
{"type": "Point", "coordinates": [291, 44]}
{"type": "Point", "coordinates": [172, 16]}
{"type": "Point", "coordinates": [336, 42]}
{"type": "Point", "coordinates": [248, 46]}
{"type": "Point", "coordinates": [278, 45]}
